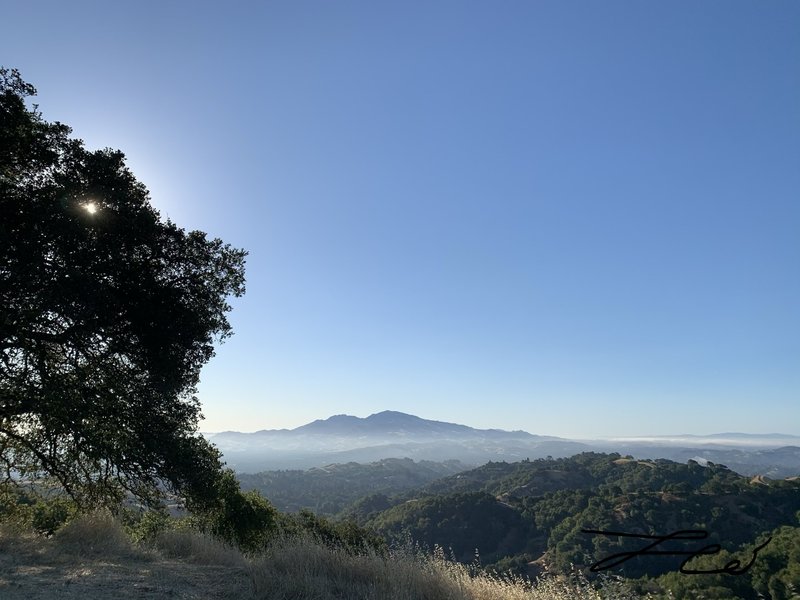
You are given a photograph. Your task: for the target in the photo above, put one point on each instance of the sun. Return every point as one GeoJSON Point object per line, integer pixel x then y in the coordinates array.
{"type": "Point", "coordinates": [90, 207]}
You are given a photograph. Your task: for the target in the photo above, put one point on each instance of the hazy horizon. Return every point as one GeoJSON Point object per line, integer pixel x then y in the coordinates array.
{"type": "Point", "coordinates": [571, 218]}
{"type": "Point", "coordinates": [641, 436]}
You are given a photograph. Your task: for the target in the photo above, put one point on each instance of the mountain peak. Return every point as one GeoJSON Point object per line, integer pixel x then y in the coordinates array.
{"type": "Point", "coordinates": [393, 416]}
{"type": "Point", "coordinates": [333, 424]}
{"type": "Point", "coordinates": [399, 425]}
{"type": "Point", "coordinates": [385, 422]}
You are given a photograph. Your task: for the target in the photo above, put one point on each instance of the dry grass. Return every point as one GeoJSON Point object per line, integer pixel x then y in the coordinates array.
{"type": "Point", "coordinates": [303, 568]}
{"type": "Point", "coordinates": [92, 558]}
{"type": "Point", "coordinates": [198, 548]}
{"type": "Point", "coordinates": [300, 568]}
{"type": "Point", "coordinates": [97, 534]}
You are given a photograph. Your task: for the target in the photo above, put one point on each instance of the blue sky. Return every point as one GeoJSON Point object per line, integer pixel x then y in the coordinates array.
{"type": "Point", "coordinates": [573, 218]}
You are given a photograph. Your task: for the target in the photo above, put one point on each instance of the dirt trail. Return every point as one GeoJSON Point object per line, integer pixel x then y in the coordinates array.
{"type": "Point", "coordinates": [34, 568]}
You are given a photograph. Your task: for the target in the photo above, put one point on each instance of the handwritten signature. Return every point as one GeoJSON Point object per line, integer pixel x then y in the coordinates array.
{"type": "Point", "coordinates": [733, 567]}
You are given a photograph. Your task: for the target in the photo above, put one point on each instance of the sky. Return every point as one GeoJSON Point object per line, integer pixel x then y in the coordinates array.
{"type": "Point", "coordinates": [573, 218]}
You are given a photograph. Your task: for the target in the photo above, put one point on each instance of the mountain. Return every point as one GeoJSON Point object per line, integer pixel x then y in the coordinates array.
{"type": "Point", "coordinates": [391, 424]}
{"type": "Point", "coordinates": [392, 434]}
{"type": "Point", "coordinates": [387, 434]}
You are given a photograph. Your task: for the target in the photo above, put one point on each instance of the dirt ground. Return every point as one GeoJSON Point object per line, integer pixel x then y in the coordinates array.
{"type": "Point", "coordinates": [36, 568]}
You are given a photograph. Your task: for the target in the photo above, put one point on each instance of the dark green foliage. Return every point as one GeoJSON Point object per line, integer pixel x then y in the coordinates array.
{"type": "Point", "coordinates": [462, 522]}
{"type": "Point", "coordinates": [526, 478]}
{"type": "Point", "coordinates": [249, 522]}
{"type": "Point", "coordinates": [549, 510]}
{"type": "Point", "coordinates": [368, 507]}
{"type": "Point", "coordinates": [774, 575]}
{"type": "Point", "coordinates": [600, 491]}
{"type": "Point", "coordinates": [341, 534]}
{"type": "Point", "coordinates": [777, 573]}
{"type": "Point", "coordinates": [44, 513]}
{"type": "Point", "coordinates": [656, 499]}
{"type": "Point", "coordinates": [107, 318]}
{"type": "Point", "coordinates": [48, 515]}
{"type": "Point", "coordinates": [146, 525]}
{"type": "Point", "coordinates": [331, 489]}
{"type": "Point", "coordinates": [243, 519]}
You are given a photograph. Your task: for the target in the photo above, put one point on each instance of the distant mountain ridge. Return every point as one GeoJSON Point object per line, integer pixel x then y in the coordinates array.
{"type": "Point", "coordinates": [383, 423]}
{"type": "Point", "coordinates": [393, 434]}
{"type": "Point", "coordinates": [763, 440]}
{"type": "Point", "coordinates": [386, 422]}
{"type": "Point", "coordinates": [387, 434]}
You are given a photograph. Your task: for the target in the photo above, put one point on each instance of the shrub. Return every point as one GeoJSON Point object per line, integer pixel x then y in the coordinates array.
{"type": "Point", "coordinates": [30, 509]}
{"type": "Point", "coordinates": [243, 519]}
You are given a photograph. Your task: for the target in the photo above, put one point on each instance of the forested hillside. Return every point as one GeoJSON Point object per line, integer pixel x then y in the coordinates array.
{"type": "Point", "coordinates": [529, 515]}
{"type": "Point", "coordinates": [328, 490]}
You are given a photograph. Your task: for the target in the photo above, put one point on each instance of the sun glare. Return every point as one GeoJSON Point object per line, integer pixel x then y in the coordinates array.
{"type": "Point", "coordinates": [90, 207]}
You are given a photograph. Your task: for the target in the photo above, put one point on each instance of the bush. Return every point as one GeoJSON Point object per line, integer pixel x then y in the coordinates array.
{"type": "Point", "coordinates": [243, 519]}
{"type": "Point", "coordinates": [346, 535]}
{"type": "Point", "coordinates": [145, 526]}
{"type": "Point", "coordinates": [26, 507]}
{"type": "Point", "coordinates": [95, 534]}
{"type": "Point", "coordinates": [49, 515]}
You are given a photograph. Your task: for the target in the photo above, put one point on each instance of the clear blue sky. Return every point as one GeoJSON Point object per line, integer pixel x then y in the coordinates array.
{"type": "Point", "coordinates": [574, 218]}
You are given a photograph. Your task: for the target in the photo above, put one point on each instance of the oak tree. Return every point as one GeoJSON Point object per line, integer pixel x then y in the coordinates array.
{"type": "Point", "coordinates": [107, 314]}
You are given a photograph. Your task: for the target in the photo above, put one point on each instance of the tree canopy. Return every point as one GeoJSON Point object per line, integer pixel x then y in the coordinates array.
{"type": "Point", "coordinates": [107, 314]}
